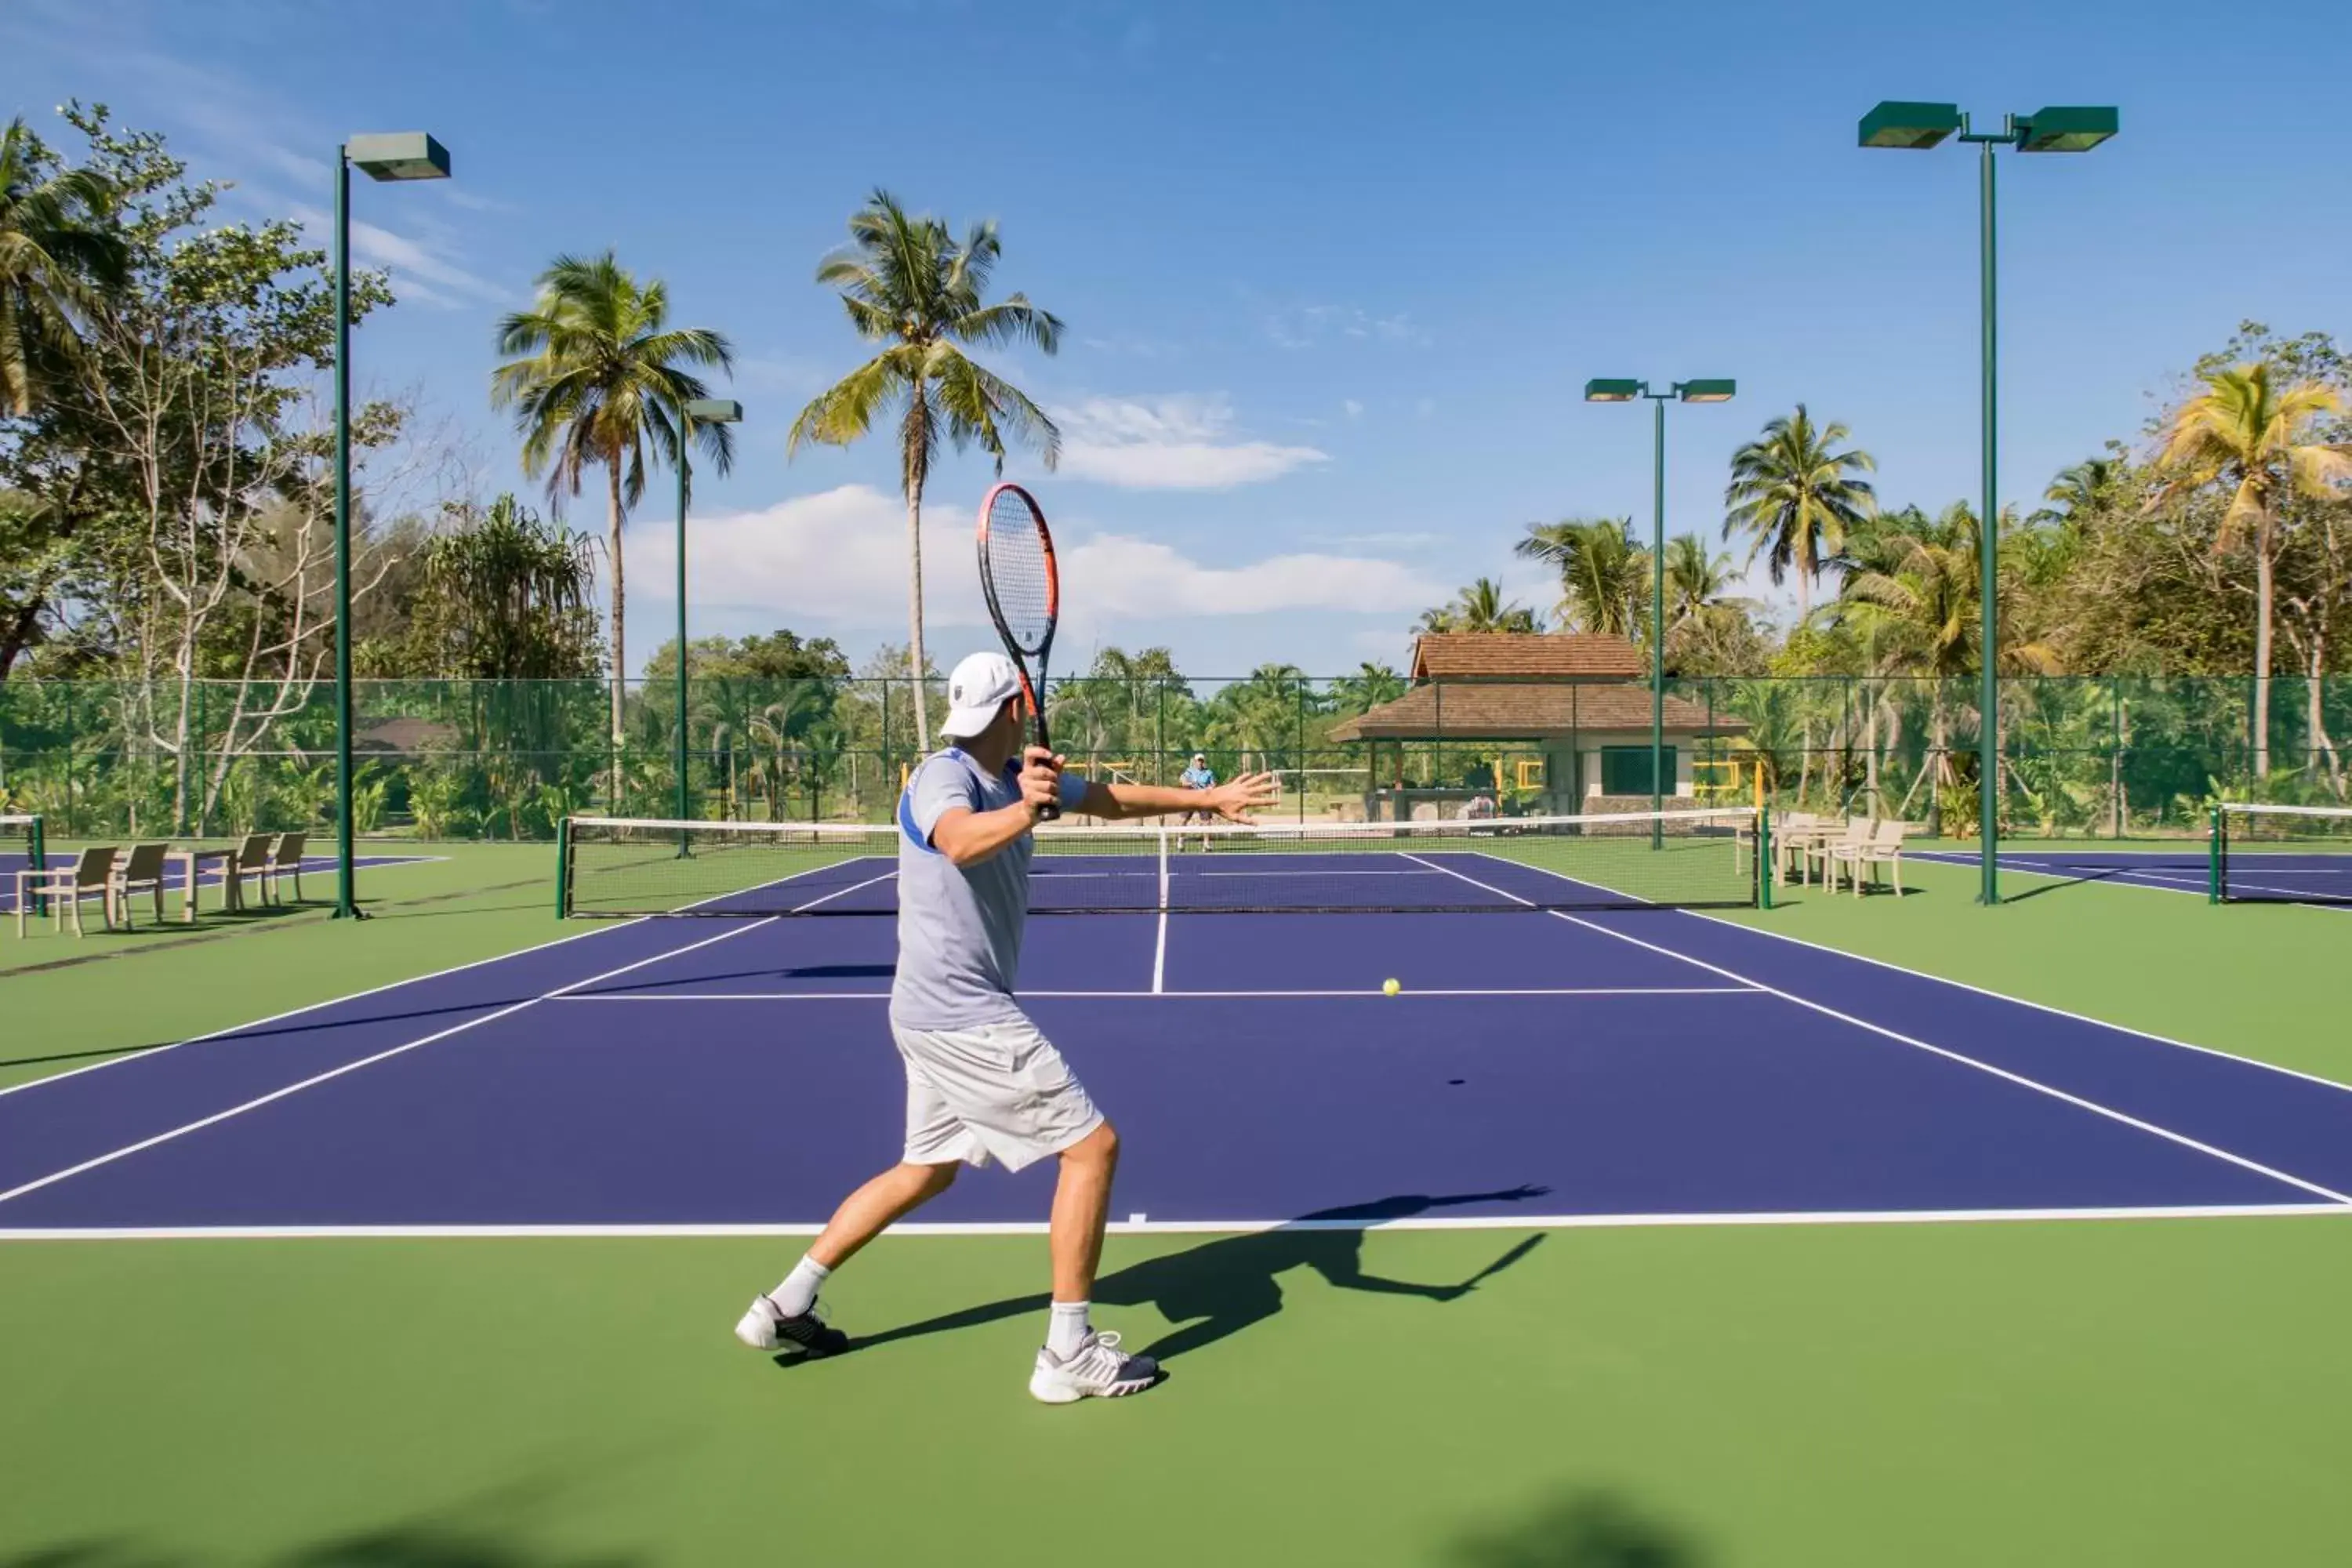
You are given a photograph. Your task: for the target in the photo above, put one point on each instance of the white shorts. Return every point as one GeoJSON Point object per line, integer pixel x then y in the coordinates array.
{"type": "Point", "coordinates": [998, 1091]}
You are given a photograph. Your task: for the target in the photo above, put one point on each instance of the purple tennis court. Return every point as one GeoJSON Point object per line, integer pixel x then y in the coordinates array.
{"type": "Point", "coordinates": [1584, 1068]}
{"type": "Point", "coordinates": [2248, 876]}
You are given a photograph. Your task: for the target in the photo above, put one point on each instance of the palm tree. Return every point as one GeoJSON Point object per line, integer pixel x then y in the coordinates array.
{"type": "Point", "coordinates": [1913, 601]}
{"type": "Point", "coordinates": [1371, 685]}
{"type": "Point", "coordinates": [2077, 488]}
{"type": "Point", "coordinates": [1696, 578]}
{"type": "Point", "coordinates": [57, 254]}
{"type": "Point", "coordinates": [906, 282]}
{"type": "Point", "coordinates": [1793, 493]}
{"type": "Point", "coordinates": [1603, 574]}
{"type": "Point", "coordinates": [1480, 607]}
{"type": "Point", "coordinates": [597, 372]}
{"type": "Point", "coordinates": [2250, 432]}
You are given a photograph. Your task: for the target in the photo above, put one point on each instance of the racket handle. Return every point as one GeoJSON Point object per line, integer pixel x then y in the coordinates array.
{"type": "Point", "coordinates": [1050, 812]}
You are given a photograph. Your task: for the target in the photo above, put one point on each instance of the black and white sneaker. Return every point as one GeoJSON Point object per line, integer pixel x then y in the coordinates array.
{"type": "Point", "coordinates": [764, 1327]}
{"type": "Point", "coordinates": [1098, 1369]}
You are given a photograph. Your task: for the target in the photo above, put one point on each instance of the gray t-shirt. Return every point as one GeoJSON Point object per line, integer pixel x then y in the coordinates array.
{"type": "Point", "coordinates": [959, 926]}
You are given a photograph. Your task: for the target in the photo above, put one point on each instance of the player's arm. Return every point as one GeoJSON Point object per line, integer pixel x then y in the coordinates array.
{"type": "Point", "coordinates": [1233, 800]}
{"type": "Point", "coordinates": [967, 837]}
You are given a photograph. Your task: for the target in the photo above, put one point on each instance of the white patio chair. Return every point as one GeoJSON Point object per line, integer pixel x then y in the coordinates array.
{"type": "Point", "coordinates": [64, 887]}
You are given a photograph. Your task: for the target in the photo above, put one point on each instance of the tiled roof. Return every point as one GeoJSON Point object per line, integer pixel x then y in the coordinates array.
{"type": "Point", "coordinates": [1525, 711]}
{"type": "Point", "coordinates": [1517, 656]}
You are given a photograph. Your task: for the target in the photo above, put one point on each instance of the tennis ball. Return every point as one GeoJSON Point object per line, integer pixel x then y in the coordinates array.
{"type": "Point", "coordinates": [1390, 988]}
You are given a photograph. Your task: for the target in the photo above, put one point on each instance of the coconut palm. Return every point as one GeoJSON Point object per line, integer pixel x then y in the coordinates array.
{"type": "Point", "coordinates": [2251, 433]}
{"type": "Point", "coordinates": [2078, 488]}
{"type": "Point", "coordinates": [906, 282]}
{"type": "Point", "coordinates": [1480, 607]}
{"type": "Point", "coordinates": [596, 373]}
{"type": "Point", "coordinates": [1604, 577]}
{"type": "Point", "coordinates": [1913, 601]}
{"type": "Point", "coordinates": [1696, 578]}
{"type": "Point", "coordinates": [1793, 493]}
{"type": "Point", "coordinates": [57, 254]}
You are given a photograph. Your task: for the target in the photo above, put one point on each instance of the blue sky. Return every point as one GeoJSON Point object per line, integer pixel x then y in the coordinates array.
{"type": "Point", "coordinates": [1334, 273]}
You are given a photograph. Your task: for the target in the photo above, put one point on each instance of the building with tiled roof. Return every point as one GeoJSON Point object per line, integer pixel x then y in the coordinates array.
{"type": "Point", "coordinates": [1561, 720]}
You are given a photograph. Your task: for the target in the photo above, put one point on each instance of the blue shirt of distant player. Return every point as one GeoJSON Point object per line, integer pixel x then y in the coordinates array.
{"type": "Point", "coordinates": [1197, 776]}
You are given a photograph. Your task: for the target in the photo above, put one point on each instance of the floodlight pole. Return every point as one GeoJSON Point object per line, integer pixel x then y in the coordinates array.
{"type": "Point", "coordinates": [1989, 525]}
{"type": "Point", "coordinates": [683, 465]}
{"type": "Point", "coordinates": [2056, 128]}
{"type": "Point", "coordinates": [402, 155]}
{"type": "Point", "coordinates": [346, 901]}
{"type": "Point", "coordinates": [1658, 616]}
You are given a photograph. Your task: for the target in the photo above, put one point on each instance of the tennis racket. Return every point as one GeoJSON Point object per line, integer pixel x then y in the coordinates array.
{"type": "Point", "coordinates": [1025, 592]}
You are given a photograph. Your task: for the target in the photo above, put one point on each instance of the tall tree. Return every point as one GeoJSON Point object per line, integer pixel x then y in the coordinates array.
{"type": "Point", "coordinates": [60, 250]}
{"type": "Point", "coordinates": [1794, 492]}
{"type": "Point", "coordinates": [1696, 578]}
{"type": "Point", "coordinates": [1603, 574]}
{"type": "Point", "coordinates": [596, 372]}
{"type": "Point", "coordinates": [506, 597]}
{"type": "Point", "coordinates": [1481, 606]}
{"type": "Point", "coordinates": [905, 281]}
{"type": "Point", "coordinates": [2252, 435]}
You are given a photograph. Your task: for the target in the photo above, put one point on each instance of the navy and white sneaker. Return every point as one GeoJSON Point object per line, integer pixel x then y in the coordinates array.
{"type": "Point", "coordinates": [764, 1327]}
{"type": "Point", "coordinates": [1098, 1369]}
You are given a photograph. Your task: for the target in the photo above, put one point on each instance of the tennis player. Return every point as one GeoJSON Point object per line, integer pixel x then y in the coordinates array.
{"type": "Point", "coordinates": [1197, 777]}
{"type": "Point", "coordinates": [982, 1083]}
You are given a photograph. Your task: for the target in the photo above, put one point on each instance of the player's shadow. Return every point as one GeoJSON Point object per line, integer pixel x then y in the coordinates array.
{"type": "Point", "coordinates": [1219, 1288]}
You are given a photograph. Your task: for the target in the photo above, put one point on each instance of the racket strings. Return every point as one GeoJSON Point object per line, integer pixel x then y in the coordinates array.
{"type": "Point", "coordinates": [1020, 572]}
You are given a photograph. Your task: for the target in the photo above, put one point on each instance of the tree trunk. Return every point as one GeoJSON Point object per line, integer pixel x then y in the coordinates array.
{"type": "Point", "coordinates": [620, 667]}
{"type": "Point", "coordinates": [916, 661]}
{"type": "Point", "coordinates": [2263, 613]}
{"type": "Point", "coordinates": [2321, 744]}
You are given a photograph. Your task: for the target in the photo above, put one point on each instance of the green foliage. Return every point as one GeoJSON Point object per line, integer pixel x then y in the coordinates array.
{"type": "Point", "coordinates": [1482, 607]}
{"type": "Point", "coordinates": [1604, 575]}
{"type": "Point", "coordinates": [1796, 495]}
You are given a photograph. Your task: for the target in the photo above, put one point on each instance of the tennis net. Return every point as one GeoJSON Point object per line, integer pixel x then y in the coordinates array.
{"type": "Point", "coordinates": [1699, 859]}
{"type": "Point", "coordinates": [2281, 854]}
{"type": "Point", "coordinates": [20, 847]}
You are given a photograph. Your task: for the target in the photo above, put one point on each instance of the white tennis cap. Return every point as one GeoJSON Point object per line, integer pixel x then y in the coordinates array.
{"type": "Point", "coordinates": [977, 691]}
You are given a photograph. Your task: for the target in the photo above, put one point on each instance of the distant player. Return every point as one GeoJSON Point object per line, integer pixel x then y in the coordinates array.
{"type": "Point", "coordinates": [1197, 776]}
{"type": "Point", "coordinates": [982, 1083]}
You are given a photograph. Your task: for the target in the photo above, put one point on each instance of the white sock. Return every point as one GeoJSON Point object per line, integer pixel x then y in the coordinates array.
{"type": "Point", "coordinates": [1066, 1331]}
{"type": "Point", "coordinates": [797, 1294]}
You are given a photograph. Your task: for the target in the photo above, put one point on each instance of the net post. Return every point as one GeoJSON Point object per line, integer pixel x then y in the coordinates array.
{"type": "Point", "coordinates": [1763, 855]}
{"type": "Point", "coordinates": [2216, 858]}
{"type": "Point", "coordinates": [564, 869]}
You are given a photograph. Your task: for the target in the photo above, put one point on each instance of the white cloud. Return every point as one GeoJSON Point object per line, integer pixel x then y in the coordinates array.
{"type": "Point", "coordinates": [838, 559]}
{"type": "Point", "coordinates": [419, 271]}
{"type": "Point", "coordinates": [1305, 326]}
{"type": "Point", "coordinates": [1355, 410]}
{"type": "Point", "coordinates": [1174, 443]}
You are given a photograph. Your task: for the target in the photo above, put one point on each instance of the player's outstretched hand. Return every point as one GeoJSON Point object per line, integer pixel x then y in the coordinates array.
{"type": "Point", "coordinates": [1041, 779]}
{"type": "Point", "coordinates": [1234, 799]}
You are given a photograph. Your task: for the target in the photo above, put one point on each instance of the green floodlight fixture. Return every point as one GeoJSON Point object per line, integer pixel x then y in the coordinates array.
{"type": "Point", "coordinates": [1909, 125]}
{"type": "Point", "coordinates": [1705, 391]}
{"type": "Point", "coordinates": [1612, 391]}
{"type": "Point", "coordinates": [398, 156]}
{"type": "Point", "coordinates": [714, 411]}
{"type": "Point", "coordinates": [394, 155]}
{"type": "Point", "coordinates": [2076, 129]}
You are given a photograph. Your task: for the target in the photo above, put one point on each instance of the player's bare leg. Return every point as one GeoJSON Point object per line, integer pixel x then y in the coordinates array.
{"type": "Point", "coordinates": [1079, 1360]}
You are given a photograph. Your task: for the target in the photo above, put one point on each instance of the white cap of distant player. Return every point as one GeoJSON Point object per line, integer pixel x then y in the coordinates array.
{"type": "Point", "coordinates": [977, 692]}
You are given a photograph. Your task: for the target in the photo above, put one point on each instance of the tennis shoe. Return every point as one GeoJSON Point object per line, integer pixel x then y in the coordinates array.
{"type": "Point", "coordinates": [764, 1327]}
{"type": "Point", "coordinates": [1098, 1369]}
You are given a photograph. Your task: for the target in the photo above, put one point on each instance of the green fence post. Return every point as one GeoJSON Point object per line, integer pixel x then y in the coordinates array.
{"type": "Point", "coordinates": [37, 857]}
{"type": "Point", "coordinates": [1763, 858]}
{"type": "Point", "coordinates": [562, 867]}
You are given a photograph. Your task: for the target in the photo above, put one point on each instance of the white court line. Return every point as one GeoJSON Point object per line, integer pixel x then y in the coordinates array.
{"type": "Point", "coordinates": [136, 1056]}
{"type": "Point", "coordinates": [2154, 879]}
{"type": "Point", "coordinates": [2051, 1008]}
{"type": "Point", "coordinates": [1728, 1220]}
{"type": "Point", "coordinates": [315, 1080]}
{"type": "Point", "coordinates": [332, 1073]}
{"type": "Point", "coordinates": [1365, 992]}
{"type": "Point", "coordinates": [1984, 1067]}
{"type": "Point", "coordinates": [1159, 952]}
